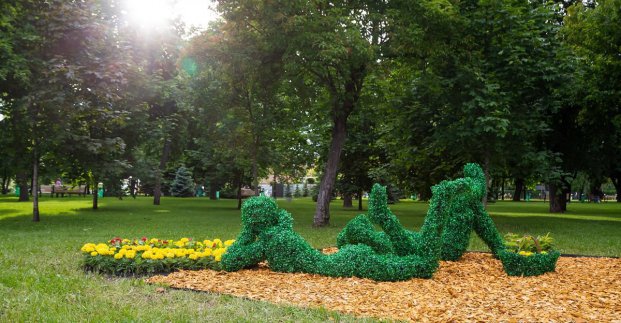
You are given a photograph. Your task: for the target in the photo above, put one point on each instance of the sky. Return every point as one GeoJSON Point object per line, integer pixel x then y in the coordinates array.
{"type": "Point", "coordinates": [153, 13]}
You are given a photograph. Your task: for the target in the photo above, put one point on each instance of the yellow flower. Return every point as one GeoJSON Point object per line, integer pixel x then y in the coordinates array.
{"type": "Point", "coordinates": [525, 253]}
{"type": "Point", "coordinates": [184, 240]}
{"type": "Point", "coordinates": [217, 242]}
{"type": "Point", "coordinates": [208, 243]}
{"type": "Point", "coordinates": [130, 255]}
{"type": "Point", "coordinates": [113, 249]}
{"type": "Point", "coordinates": [118, 256]}
{"type": "Point", "coordinates": [153, 240]}
{"type": "Point", "coordinates": [218, 257]}
{"type": "Point", "coordinates": [193, 256]}
{"type": "Point", "coordinates": [207, 252]}
{"type": "Point", "coordinates": [170, 255]}
{"type": "Point", "coordinates": [229, 242]}
{"type": "Point", "coordinates": [180, 244]}
{"type": "Point", "coordinates": [88, 248]}
{"type": "Point", "coordinates": [94, 253]}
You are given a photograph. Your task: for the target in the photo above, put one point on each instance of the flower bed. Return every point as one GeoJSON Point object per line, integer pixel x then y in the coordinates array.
{"type": "Point", "coordinates": [528, 255]}
{"type": "Point", "coordinates": [148, 256]}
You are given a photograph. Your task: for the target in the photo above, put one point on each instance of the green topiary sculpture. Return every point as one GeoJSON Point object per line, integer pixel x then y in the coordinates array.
{"type": "Point", "coordinates": [395, 253]}
{"type": "Point", "coordinates": [267, 234]}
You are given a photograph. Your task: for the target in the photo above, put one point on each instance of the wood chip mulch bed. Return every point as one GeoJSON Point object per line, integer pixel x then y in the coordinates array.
{"type": "Point", "coordinates": [472, 289]}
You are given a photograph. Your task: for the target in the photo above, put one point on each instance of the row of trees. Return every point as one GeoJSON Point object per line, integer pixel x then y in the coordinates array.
{"type": "Point", "coordinates": [399, 92]}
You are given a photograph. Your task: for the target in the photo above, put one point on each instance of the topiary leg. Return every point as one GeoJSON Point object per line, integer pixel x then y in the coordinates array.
{"type": "Point", "coordinates": [360, 231]}
{"type": "Point", "coordinates": [456, 234]}
{"type": "Point", "coordinates": [486, 230]}
{"type": "Point", "coordinates": [402, 240]}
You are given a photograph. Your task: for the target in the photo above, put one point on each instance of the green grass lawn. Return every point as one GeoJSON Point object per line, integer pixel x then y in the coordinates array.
{"type": "Point", "coordinates": [41, 279]}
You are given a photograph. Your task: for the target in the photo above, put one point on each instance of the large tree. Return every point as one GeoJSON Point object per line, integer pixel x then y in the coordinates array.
{"type": "Point", "coordinates": [485, 86]}
{"type": "Point", "coordinates": [594, 36]}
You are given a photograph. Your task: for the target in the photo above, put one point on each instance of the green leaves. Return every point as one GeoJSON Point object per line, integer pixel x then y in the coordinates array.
{"type": "Point", "coordinates": [516, 243]}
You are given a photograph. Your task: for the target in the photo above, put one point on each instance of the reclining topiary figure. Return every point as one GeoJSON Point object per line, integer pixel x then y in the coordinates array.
{"type": "Point", "coordinates": [464, 209]}
{"type": "Point", "coordinates": [395, 254]}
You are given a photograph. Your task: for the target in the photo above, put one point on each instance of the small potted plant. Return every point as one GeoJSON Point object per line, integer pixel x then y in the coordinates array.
{"type": "Point", "coordinates": [528, 255]}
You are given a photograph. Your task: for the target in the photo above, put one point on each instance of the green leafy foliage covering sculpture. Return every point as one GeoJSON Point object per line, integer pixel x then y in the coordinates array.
{"type": "Point", "coordinates": [528, 255]}
{"type": "Point", "coordinates": [267, 234]}
{"type": "Point", "coordinates": [392, 254]}
{"type": "Point", "coordinates": [461, 201]}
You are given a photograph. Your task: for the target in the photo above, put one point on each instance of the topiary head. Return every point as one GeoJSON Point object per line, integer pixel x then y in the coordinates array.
{"type": "Point", "coordinates": [475, 173]}
{"type": "Point", "coordinates": [260, 213]}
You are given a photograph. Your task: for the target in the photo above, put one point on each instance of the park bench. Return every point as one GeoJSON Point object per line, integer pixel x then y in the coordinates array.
{"type": "Point", "coordinates": [46, 189]}
{"type": "Point", "coordinates": [247, 192]}
{"type": "Point", "coordinates": [62, 190]}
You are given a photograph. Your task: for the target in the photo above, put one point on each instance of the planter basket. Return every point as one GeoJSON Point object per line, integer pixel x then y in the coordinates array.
{"type": "Point", "coordinates": [534, 265]}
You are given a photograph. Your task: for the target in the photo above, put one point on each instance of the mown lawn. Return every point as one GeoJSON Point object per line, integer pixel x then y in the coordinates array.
{"type": "Point", "coordinates": [41, 279]}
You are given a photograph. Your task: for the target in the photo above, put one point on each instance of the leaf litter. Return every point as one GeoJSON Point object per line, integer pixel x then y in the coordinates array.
{"type": "Point", "coordinates": [474, 288]}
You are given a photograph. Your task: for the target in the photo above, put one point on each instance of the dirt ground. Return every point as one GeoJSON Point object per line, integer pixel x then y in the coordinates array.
{"type": "Point", "coordinates": [472, 289]}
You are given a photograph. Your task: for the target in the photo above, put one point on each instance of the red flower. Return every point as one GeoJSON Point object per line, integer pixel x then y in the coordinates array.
{"type": "Point", "coordinates": [144, 239]}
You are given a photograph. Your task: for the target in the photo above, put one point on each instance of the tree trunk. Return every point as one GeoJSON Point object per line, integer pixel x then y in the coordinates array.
{"type": "Point", "coordinates": [212, 190]}
{"type": "Point", "coordinates": [360, 200]}
{"type": "Point", "coordinates": [22, 181]}
{"type": "Point", "coordinates": [322, 210]}
{"type": "Point", "coordinates": [157, 189]}
{"type": "Point", "coordinates": [558, 199]}
{"type": "Point", "coordinates": [35, 188]}
{"type": "Point", "coordinates": [5, 181]}
{"type": "Point", "coordinates": [348, 200]}
{"type": "Point", "coordinates": [502, 189]}
{"type": "Point", "coordinates": [239, 187]}
{"type": "Point", "coordinates": [616, 181]}
{"type": "Point", "coordinates": [519, 187]}
{"type": "Point", "coordinates": [95, 194]}
{"type": "Point", "coordinates": [255, 167]}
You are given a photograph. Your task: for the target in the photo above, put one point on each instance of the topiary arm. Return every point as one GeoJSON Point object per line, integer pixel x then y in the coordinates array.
{"type": "Point", "coordinates": [240, 256]}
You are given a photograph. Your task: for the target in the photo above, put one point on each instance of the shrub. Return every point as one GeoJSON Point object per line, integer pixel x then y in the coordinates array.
{"type": "Point", "coordinates": [297, 192]}
{"type": "Point", "coordinates": [183, 184]}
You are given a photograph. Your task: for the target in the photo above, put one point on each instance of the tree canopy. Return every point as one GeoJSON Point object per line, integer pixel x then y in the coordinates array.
{"type": "Point", "coordinates": [399, 92]}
